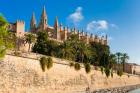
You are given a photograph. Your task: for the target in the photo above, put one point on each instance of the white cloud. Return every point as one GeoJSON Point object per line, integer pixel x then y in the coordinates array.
{"type": "Point", "coordinates": [110, 38]}
{"type": "Point", "coordinates": [114, 26]}
{"type": "Point", "coordinates": [77, 16]}
{"type": "Point", "coordinates": [97, 25]}
{"type": "Point", "coordinates": [100, 25]}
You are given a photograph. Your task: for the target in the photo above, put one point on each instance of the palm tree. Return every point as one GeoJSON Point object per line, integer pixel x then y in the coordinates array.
{"type": "Point", "coordinates": [124, 59]}
{"type": "Point", "coordinates": [29, 38]}
{"type": "Point", "coordinates": [66, 49]}
{"type": "Point", "coordinates": [118, 55]}
{"type": "Point", "coordinates": [84, 51]}
{"type": "Point", "coordinates": [51, 47]}
{"type": "Point", "coordinates": [112, 60]}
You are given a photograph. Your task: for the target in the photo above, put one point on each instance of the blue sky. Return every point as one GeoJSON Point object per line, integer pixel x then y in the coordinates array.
{"type": "Point", "coordinates": [119, 19]}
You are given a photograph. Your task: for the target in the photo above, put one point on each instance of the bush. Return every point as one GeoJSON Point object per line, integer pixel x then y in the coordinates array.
{"type": "Point", "coordinates": [71, 64]}
{"type": "Point", "coordinates": [46, 62]}
{"type": "Point", "coordinates": [17, 53]}
{"type": "Point", "coordinates": [87, 67]}
{"type": "Point", "coordinates": [102, 70]}
{"type": "Point", "coordinates": [119, 73]}
{"type": "Point", "coordinates": [43, 61]}
{"type": "Point", "coordinates": [77, 66]}
{"type": "Point", "coordinates": [107, 72]}
{"type": "Point", "coordinates": [112, 73]}
{"type": "Point", "coordinates": [49, 63]}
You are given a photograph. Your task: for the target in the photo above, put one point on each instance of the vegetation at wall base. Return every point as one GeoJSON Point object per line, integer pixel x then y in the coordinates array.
{"type": "Point", "coordinates": [49, 63]}
{"type": "Point", "coordinates": [102, 69]}
{"type": "Point", "coordinates": [71, 64]}
{"type": "Point", "coordinates": [87, 67]}
{"type": "Point", "coordinates": [77, 66]}
{"type": "Point", "coordinates": [111, 73]}
{"type": "Point", "coordinates": [119, 73]}
{"type": "Point", "coordinates": [107, 72]}
{"type": "Point", "coordinates": [43, 61]}
{"type": "Point", "coordinates": [46, 63]}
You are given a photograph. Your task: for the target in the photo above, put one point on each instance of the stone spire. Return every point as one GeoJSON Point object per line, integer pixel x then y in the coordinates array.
{"type": "Point", "coordinates": [56, 23]}
{"type": "Point", "coordinates": [43, 20]}
{"type": "Point", "coordinates": [33, 23]}
{"type": "Point", "coordinates": [56, 28]}
{"type": "Point", "coordinates": [44, 12]}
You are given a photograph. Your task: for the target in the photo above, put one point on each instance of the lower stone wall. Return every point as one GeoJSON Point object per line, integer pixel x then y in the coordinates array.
{"type": "Point", "coordinates": [23, 75]}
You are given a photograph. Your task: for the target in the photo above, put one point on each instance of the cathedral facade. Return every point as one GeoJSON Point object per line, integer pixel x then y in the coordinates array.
{"type": "Point", "coordinates": [56, 32]}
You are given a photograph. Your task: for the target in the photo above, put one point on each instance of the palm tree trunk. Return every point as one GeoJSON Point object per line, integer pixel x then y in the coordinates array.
{"type": "Point", "coordinates": [123, 66]}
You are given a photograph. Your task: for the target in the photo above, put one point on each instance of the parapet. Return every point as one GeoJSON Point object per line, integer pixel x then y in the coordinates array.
{"type": "Point", "coordinates": [20, 22]}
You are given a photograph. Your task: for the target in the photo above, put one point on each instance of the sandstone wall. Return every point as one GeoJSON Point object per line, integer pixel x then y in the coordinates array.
{"type": "Point", "coordinates": [23, 75]}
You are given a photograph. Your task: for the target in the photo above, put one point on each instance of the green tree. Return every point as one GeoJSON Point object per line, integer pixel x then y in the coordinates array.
{"type": "Point", "coordinates": [112, 61]}
{"type": "Point", "coordinates": [100, 52]}
{"type": "Point", "coordinates": [84, 51]}
{"type": "Point", "coordinates": [118, 55]}
{"type": "Point", "coordinates": [52, 48]}
{"type": "Point", "coordinates": [41, 43]}
{"type": "Point", "coordinates": [124, 59]}
{"type": "Point", "coordinates": [73, 41]}
{"type": "Point", "coordinates": [66, 50]}
{"type": "Point", "coordinates": [6, 39]}
{"type": "Point", "coordinates": [29, 38]}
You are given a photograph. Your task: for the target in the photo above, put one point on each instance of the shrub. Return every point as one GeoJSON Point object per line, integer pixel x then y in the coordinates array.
{"type": "Point", "coordinates": [49, 63]}
{"type": "Point", "coordinates": [102, 70]}
{"type": "Point", "coordinates": [119, 73]}
{"type": "Point", "coordinates": [87, 67]}
{"type": "Point", "coordinates": [77, 66]}
{"type": "Point", "coordinates": [107, 72]}
{"type": "Point", "coordinates": [71, 64]}
{"type": "Point", "coordinates": [112, 73]}
{"type": "Point", "coordinates": [43, 61]}
{"type": "Point", "coordinates": [17, 53]}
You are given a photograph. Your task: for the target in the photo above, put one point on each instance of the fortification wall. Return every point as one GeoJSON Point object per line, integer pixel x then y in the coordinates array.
{"type": "Point", "coordinates": [23, 75]}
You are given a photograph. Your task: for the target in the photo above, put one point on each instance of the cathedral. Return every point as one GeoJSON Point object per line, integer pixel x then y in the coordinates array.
{"type": "Point", "coordinates": [57, 32]}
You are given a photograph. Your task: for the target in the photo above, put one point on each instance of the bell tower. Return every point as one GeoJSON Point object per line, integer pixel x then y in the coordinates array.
{"type": "Point", "coordinates": [43, 20]}
{"type": "Point", "coordinates": [56, 29]}
{"type": "Point", "coordinates": [33, 23]}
